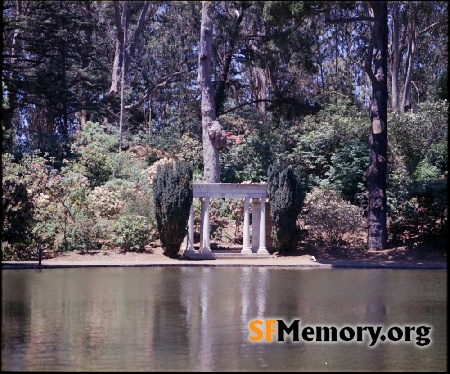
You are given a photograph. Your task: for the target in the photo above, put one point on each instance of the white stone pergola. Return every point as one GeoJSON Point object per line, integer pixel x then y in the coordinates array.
{"type": "Point", "coordinates": [254, 193]}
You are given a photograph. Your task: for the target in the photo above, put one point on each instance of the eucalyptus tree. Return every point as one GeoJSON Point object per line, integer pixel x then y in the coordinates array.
{"type": "Point", "coordinates": [229, 17]}
{"type": "Point", "coordinates": [418, 49]}
{"type": "Point", "coordinates": [161, 81]}
{"type": "Point", "coordinates": [272, 64]}
{"type": "Point", "coordinates": [213, 136]}
{"type": "Point", "coordinates": [126, 40]}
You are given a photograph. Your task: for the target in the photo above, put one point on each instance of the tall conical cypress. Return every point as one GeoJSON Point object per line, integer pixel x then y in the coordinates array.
{"type": "Point", "coordinates": [173, 195]}
{"type": "Point", "coordinates": [286, 198]}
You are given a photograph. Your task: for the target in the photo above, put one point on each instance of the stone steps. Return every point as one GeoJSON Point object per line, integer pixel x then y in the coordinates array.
{"type": "Point", "coordinates": [232, 253]}
{"type": "Point", "coordinates": [240, 255]}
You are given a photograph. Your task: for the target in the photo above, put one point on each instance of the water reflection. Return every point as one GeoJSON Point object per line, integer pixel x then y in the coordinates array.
{"type": "Point", "coordinates": [196, 318]}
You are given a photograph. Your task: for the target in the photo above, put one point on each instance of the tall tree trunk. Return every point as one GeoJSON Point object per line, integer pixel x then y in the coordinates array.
{"type": "Point", "coordinates": [260, 87]}
{"type": "Point", "coordinates": [121, 22]}
{"type": "Point", "coordinates": [212, 133]}
{"type": "Point", "coordinates": [8, 113]}
{"type": "Point", "coordinates": [406, 101]}
{"type": "Point", "coordinates": [395, 55]}
{"type": "Point", "coordinates": [376, 174]}
{"type": "Point", "coordinates": [223, 77]}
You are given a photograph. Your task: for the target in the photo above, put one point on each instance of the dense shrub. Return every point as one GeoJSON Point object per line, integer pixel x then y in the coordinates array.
{"type": "Point", "coordinates": [81, 234]}
{"type": "Point", "coordinates": [286, 198]}
{"type": "Point", "coordinates": [418, 208]}
{"type": "Point", "coordinates": [131, 233]}
{"type": "Point", "coordinates": [252, 146]}
{"type": "Point", "coordinates": [104, 202]}
{"type": "Point", "coordinates": [346, 173]}
{"type": "Point", "coordinates": [421, 134]}
{"type": "Point", "coordinates": [17, 220]}
{"type": "Point", "coordinates": [94, 151]}
{"type": "Point", "coordinates": [172, 196]}
{"type": "Point", "coordinates": [329, 217]}
{"type": "Point", "coordinates": [324, 145]}
{"type": "Point", "coordinates": [418, 170]}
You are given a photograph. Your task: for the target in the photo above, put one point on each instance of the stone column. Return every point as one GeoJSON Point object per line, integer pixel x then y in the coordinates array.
{"type": "Point", "coordinates": [191, 228]}
{"type": "Point", "coordinates": [204, 245]}
{"type": "Point", "coordinates": [246, 240]}
{"type": "Point", "coordinates": [202, 215]}
{"type": "Point", "coordinates": [189, 239]}
{"type": "Point", "coordinates": [256, 218]}
{"type": "Point", "coordinates": [185, 243]}
{"type": "Point", "coordinates": [262, 229]}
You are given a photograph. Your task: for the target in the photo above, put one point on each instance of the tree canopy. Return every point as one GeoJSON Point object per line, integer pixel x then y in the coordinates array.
{"type": "Point", "coordinates": [289, 82]}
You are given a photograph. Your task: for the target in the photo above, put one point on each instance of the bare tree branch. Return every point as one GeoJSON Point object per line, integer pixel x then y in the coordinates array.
{"type": "Point", "coordinates": [368, 63]}
{"type": "Point", "coordinates": [117, 18]}
{"type": "Point", "coordinates": [137, 31]}
{"type": "Point", "coordinates": [328, 20]}
{"type": "Point", "coordinates": [247, 103]}
{"type": "Point", "coordinates": [164, 81]}
{"type": "Point", "coordinates": [431, 26]}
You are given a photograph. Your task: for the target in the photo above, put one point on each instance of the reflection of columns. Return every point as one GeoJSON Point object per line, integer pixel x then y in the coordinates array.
{"type": "Point", "coordinates": [206, 339]}
{"type": "Point", "coordinates": [262, 228]}
{"type": "Point", "coordinates": [256, 218]}
{"type": "Point", "coordinates": [189, 239]}
{"type": "Point", "coordinates": [204, 245]}
{"type": "Point", "coordinates": [261, 291]}
{"type": "Point", "coordinates": [246, 240]}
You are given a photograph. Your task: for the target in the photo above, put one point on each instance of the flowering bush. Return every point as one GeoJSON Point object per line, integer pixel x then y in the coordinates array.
{"type": "Point", "coordinates": [191, 150]}
{"type": "Point", "coordinates": [330, 217]}
{"type": "Point", "coordinates": [151, 171]}
{"type": "Point", "coordinates": [17, 219]}
{"type": "Point", "coordinates": [23, 184]}
{"type": "Point", "coordinates": [104, 202]}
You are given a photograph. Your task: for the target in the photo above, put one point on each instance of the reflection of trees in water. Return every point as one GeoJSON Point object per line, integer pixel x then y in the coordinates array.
{"type": "Point", "coordinates": [16, 312]}
{"type": "Point", "coordinates": [196, 318]}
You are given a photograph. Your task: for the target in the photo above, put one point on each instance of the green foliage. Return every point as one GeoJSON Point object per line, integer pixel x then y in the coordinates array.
{"type": "Point", "coordinates": [418, 208]}
{"type": "Point", "coordinates": [346, 173]}
{"type": "Point", "coordinates": [323, 146]}
{"type": "Point", "coordinates": [17, 210]}
{"type": "Point", "coordinates": [418, 170]}
{"type": "Point", "coordinates": [22, 184]}
{"type": "Point", "coordinates": [330, 217]}
{"type": "Point", "coordinates": [131, 233]}
{"type": "Point", "coordinates": [81, 234]}
{"type": "Point", "coordinates": [417, 133]}
{"type": "Point", "coordinates": [286, 197]}
{"type": "Point", "coordinates": [7, 136]}
{"type": "Point", "coordinates": [62, 71]}
{"type": "Point", "coordinates": [248, 156]}
{"type": "Point", "coordinates": [94, 150]}
{"type": "Point", "coordinates": [172, 196]}
{"type": "Point", "coordinates": [191, 150]}
{"type": "Point", "coordinates": [139, 201]}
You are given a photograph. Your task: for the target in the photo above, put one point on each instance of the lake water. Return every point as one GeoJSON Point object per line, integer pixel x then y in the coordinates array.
{"type": "Point", "coordinates": [197, 318]}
